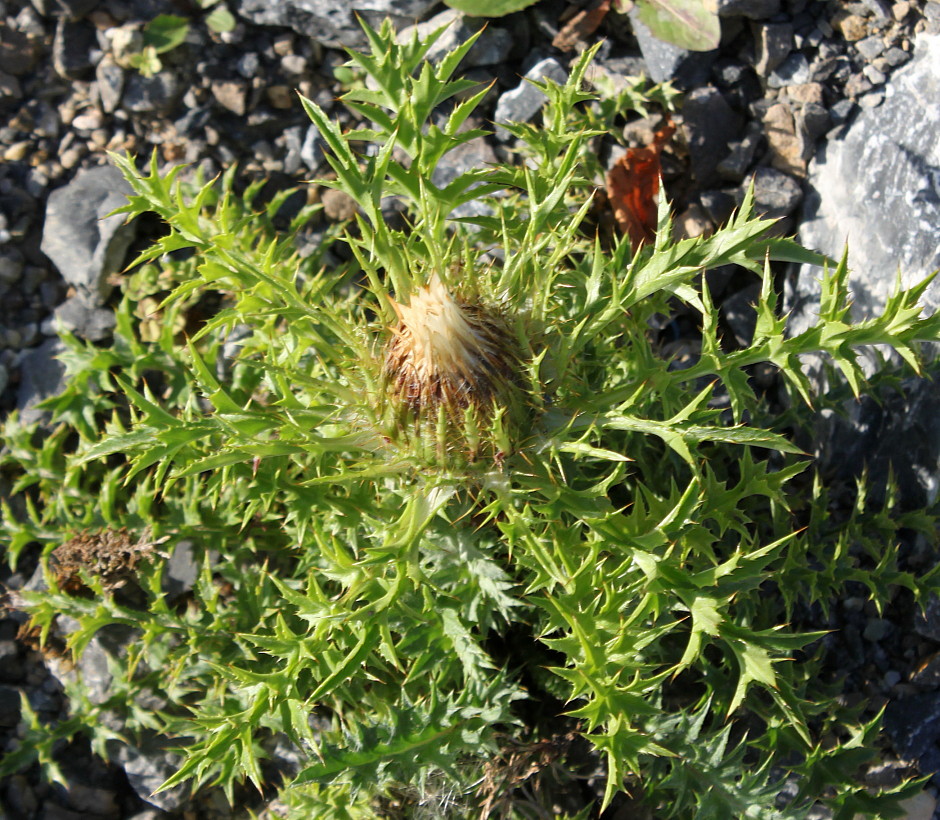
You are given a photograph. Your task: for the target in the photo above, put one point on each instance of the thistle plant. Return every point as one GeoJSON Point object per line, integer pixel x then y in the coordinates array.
{"type": "Point", "coordinates": [452, 501]}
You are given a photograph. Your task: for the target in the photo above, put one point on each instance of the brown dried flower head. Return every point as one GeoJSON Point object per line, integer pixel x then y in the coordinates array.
{"type": "Point", "coordinates": [111, 555]}
{"type": "Point", "coordinates": [448, 352]}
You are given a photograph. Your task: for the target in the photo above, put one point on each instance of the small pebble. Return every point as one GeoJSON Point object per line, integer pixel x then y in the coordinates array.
{"type": "Point", "coordinates": [851, 26]}
{"type": "Point", "coordinates": [872, 99]}
{"type": "Point", "coordinates": [873, 75]}
{"type": "Point", "coordinates": [248, 65]}
{"type": "Point", "coordinates": [280, 96]}
{"type": "Point", "coordinates": [88, 122]}
{"type": "Point", "coordinates": [284, 44]}
{"type": "Point", "coordinates": [870, 47]}
{"type": "Point", "coordinates": [99, 138]}
{"type": "Point", "coordinates": [900, 10]}
{"type": "Point", "coordinates": [293, 65]}
{"type": "Point", "coordinates": [11, 266]}
{"type": "Point", "coordinates": [841, 111]}
{"type": "Point", "coordinates": [17, 151]}
{"type": "Point", "coordinates": [29, 334]}
{"type": "Point", "coordinates": [877, 629]}
{"type": "Point", "coordinates": [70, 158]}
{"type": "Point", "coordinates": [896, 56]}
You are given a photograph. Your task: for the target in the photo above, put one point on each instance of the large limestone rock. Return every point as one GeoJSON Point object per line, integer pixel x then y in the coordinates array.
{"type": "Point", "coordinates": [332, 22]}
{"type": "Point", "coordinates": [878, 188]}
{"type": "Point", "coordinates": [83, 242]}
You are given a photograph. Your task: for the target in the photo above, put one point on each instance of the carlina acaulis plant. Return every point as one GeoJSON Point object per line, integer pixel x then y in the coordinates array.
{"type": "Point", "coordinates": [409, 517]}
{"type": "Point", "coordinates": [451, 361]}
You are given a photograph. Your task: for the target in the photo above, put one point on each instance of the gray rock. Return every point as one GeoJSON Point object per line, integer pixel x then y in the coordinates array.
{"type": "Point", "coordinates": [293, 65]}
{"type": "Point", "coordinates": [794, 70]}
{"type": "Point", "coordinates": [870, 47]}
{"type": "Point", "coordinates": [9, 706]}
{"type": "Point", "coordinates": [740, 314]}
{"type": "Point", "coordinates": [710, 126]}
{"type": "Point", "coordinates": [232, 95]}
{"type": "Point", "coordinates": [192, 123]}
{"type": "Point", "coordinates": [841, 111]}
{"type": "Point", "coordinates": [877, 629]}
{"type": "Point", "coordinates": [753, 9]}
{"type": "Point", "coordinates": [72, 48]}
{"type": "Point", "coordinates": [896, 433]}
{"type": "Point", "coordinates": [927, 622]}
{"type": "Point", "coordinates": [42, 376]}
{"type": "Point", "coordinates": [4, 378]}
{"type": "Point", "coordinates": [872, 99]}
{"type": "Point", "coordinates": [85, 320]}
{"type": "Point", "coordinates": [94, 664]}
{"type": "Point", "coordinates": [84, 244]}
{"type": "Point", "coordinates": [873, 75]}
{"type": "Point", "coordinates": [718, 204]}
{"type": "Point", "coordinates": [329, 22]}
{"type": "Point", "coordinates": [774, 41]}
{"type": "Point", "coordinates": [857, 85]}
{"type": "Point", "coordinates": [523, 102]}
{"type": "Point", "coordinates": [664, 61]}
{"type": "Point", "coordinates": [879, 189]}
{"type": "Point", "coordinates": [157, 93]}
{"type": "Point", "coordinates": [148, 764]}
{"type": "Point", "coordinates": [814, 120]}
{"type": "Point", "coordinates": [93, 802]}
{"type": "Point", "coordinates": [10, 88]}
{"type": "Point", "coordinates": [491, 48]}
{"type": "Point", "coordinates": [293, 141]}
{"type": "Point", "coordinates": [927, 675]}
{"type": "Point", "coordinates": [735, 165]}
{"type": "Point", "coordinates": [20, 797]}
{"type": "Point", "coordinates": [895, 56]}
{"type": "Point", "coordinates": [182, 569]}
{"type": "Point", "coordinates": [913, 724]}
{"type": "Point", "coordinates": [248, 65]}
{"type": "Point", "coordinates": [11, 665]}
{"type": "Point", "coordinates": [776, 195]}
{"type": "Point", "coordinates": [311, 152]}
{"type": "Point", "coordinates": [879, 8]}
{"type": "Point", "coordinates": [110, 79]}
{"type": "Point", "coordinates": [72, 9]}
{"type": "Point", "coordinates": [11, 265]}
{"type": "Point", "coordinates": [473, 155]}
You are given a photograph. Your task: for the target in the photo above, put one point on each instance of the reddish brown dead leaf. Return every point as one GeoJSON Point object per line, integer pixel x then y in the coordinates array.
{"type": "Point", "coordinates": [632, 185]}
{"type": "Point", "coordinates": [581, 26]}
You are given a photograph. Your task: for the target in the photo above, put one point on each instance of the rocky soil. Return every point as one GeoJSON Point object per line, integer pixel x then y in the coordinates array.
{"type": "Point", "coordinates": [790, 78]}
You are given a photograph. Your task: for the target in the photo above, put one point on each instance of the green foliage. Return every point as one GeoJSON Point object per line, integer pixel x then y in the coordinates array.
{"type": "Point", "coordinates": [219, 19]}
{"type": "Point", "coordinates": [164, 33]}
{"type": "Point", "coordinates": [168, 31]}
{"type": "Point", "coordinates": [488, 8]}
{"type": "Point", "coordinates": [689, 24]}
{"type": "Point", "coordinates": [646, 542]}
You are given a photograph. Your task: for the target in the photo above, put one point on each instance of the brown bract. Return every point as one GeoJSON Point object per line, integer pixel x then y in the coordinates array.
{"type": "Point", "coordinates": [581, 26]}
{"type": "Point", "coordinates": [445, 351]}
{"type": "Point", "coordinates": [632, 185]}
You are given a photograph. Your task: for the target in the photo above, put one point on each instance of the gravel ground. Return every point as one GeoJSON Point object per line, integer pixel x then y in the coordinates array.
{"type": "Point", "coordinates": [788, 76]}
